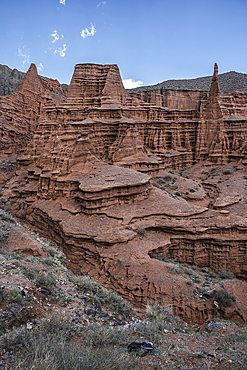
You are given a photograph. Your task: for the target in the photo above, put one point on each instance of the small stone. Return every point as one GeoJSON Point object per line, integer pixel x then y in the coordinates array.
{"type": "Point", "coordinates": [209, 293]}
{"type": "Point", "coordinates": [85, 317]}
{"type": "Point", "coordinates": [29, 326]}
{"type": "Point", "coordinates": [27, 299]}
{"type": "Point", "coordinates": [118, 321]}
{"type": "Point", "coordinates": [45, 291]}
{"type": "Point", "coordinates": [91, 311]}
{"type": "Point", "coordinates": [103, 315]}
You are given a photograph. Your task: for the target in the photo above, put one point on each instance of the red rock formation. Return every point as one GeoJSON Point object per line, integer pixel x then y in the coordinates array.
{"type": "Point", "coordinates": [172, 99]}
{"type": "Point", "coordinates": [221, 134]}
{"type": "Point", "coordinates": [20, 112]}
{"type": "Point", "coordinates": [96, 85]}
{"type": "Point", "coordinates": [99, 212]}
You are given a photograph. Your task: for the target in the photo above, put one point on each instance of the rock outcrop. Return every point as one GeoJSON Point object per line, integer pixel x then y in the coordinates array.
{"type": "Point", "coordinates": [10, 80]}
{"type": "Point", "coordinates": [20, 112]}
{"type": "Point", "coordinates": [84, 180]}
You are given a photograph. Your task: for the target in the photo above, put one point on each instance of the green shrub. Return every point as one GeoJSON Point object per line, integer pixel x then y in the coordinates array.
{"type": "Point", "coordinates": [151, 331]}
{"type": "Point", "coordinates": [212, 275]}
{"type": "Point", "coordinates": [55, 354]}
{"type": "Point", "coordinates": [174, 268]}
{"type": "Point", "coordinates": [196, 279]}
{"type": "Point", "coordinates": [160, 257]}
{"type": "Point", "coordinates": [46, 281]}
{"type": "Point", "coordinates": [118, 304]}
{"type": "Point", "coordinates": [2, 295]}
{"type": "Point", "coordinates": [6, 216]}
{"type": "Point", "coordinates": [85, 283]}
{"type": "Point", "coordinates": [22, 214]}
{"type": "Point", "coordinates": [238, 336]}
{"type": "Point", "coordinates": [30, 272]}
{"type": "Point", "coordinates": [159, 312]}
{"type": "Point", "coordinates": [226, 274]}
{"type": "Point", "coordinates": [225, 298]}
{"type": "Point", "coordinates": [103, 295]}
{"type": "Point", "coordinates": [227, 172]}
{"type": "Point", "coordinates": [15, 337]}
{"type": "Point", "coordinates": [3, 232]}
{"type": "Point", "coordinates": [58, 325]}
{"type": "Point", "coordinates": [51, 251]}
{"type": "Point", "coordinates": [141, 231]}
{"type": "Point", "coordinates": [16, 297]}
{"type": "Point", "coordinates": [188, 271]}
{"type": "Point", "coordinates": [48, 348]}
{"type": "Point", "coordinates": [104, 335]}
{"type": "Point", "coordinates": [47, 261]}
{"type": "Point", "coordinates": [167, 177]}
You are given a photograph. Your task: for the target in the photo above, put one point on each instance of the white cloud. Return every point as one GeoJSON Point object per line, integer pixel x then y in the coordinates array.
{"type": "Point", "coordinates": [62, 2]}
{"type": "Point", "coordinates": [85, 33]}
{"type": "Point", "coordinates": [131, 84]}
{"type": "Point", "coordinates": [55, 35]}
{"type": "Point", "coordinates": [24, 54]}
{"type": "Point", "coordinates": [101, 3]}
{"type": "Point", "coordinates": [61, 51]}
{"type": "Point", "coordinates": [40, 67]}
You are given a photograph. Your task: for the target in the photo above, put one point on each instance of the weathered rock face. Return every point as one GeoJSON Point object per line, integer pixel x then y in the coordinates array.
{"type": "Point", "coordinates": [172, 99]}
{"type": "Point", "coordinates": [20, 112]}
{"type": "Point", "coordinates": [96, 85]}
{"type": "Point", "coordinates": [80, 187]}
{"type": "Point", "coordinates": [221, 133]}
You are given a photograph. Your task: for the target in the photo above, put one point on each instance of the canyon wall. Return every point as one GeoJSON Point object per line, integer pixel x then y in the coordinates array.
{"type": "Point", "coordinates": [84, 179]}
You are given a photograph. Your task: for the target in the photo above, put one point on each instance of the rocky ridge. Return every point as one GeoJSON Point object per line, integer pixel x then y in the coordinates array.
{"type": "Point", "coordinates": [229, 82]}
{"type": "Point", "coordinates": [10, 79]}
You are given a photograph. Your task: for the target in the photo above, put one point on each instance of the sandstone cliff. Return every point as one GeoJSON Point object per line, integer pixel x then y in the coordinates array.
{"type": "Point", "coordinates": [19, 112]}
{"type": "Point", "coordinates": [77, 182]}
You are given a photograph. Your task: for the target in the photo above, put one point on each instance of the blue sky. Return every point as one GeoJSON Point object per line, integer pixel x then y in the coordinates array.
{"type": "Point", "coordinates": [150, 40]}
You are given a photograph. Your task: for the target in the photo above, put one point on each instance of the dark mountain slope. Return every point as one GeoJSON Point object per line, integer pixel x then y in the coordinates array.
{"type": "Point", "coordinates": [229, 82]}
{"type": "Point", "coordinates": [10, 79]}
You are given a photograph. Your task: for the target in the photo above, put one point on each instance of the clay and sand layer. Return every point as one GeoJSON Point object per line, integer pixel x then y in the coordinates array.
{"type": "Point", "coordinates": [96, 173]}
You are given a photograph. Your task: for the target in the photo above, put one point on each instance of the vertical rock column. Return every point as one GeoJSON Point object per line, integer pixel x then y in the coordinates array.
{"type": "Point", "coordinates": [212, 142]}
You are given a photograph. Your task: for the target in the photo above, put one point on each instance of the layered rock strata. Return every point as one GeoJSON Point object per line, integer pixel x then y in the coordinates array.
{"type": "Point", "coordinates": [78, 184]}
{"type": "Point", "coordinates": [20, 112]}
